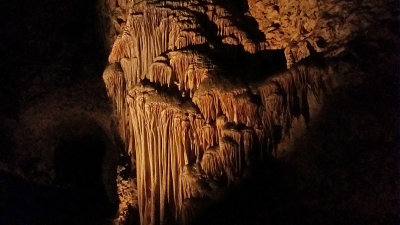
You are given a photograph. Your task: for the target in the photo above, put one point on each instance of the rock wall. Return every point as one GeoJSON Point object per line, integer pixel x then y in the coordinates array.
{"type": "Point", "coordinates": [302, 27]}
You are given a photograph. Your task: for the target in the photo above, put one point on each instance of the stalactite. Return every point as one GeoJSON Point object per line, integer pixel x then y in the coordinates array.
{"type": "Point", "coordinates": [192, 183]}
{"type": "Point", "coordinates": [289, 95]}
{"type": "Point", "coordinates": [220, 124]}
{"type": "Point", "coordinates": [121, 48]}
{"type": "Point", "coordinates": [228, 100]}
{"type": "Point", "coordinates": [160, 73]}
{"type": "Point", "coordinates": [229, 40]}
{"type": "Point", "coordinates": [211, 162]}
{"type": "Point", "coordinates": [131, 73]}
{"type": "Point", "coordinates": [163, 134]}
{"type": "Point", "coordinates": [208, 104]}
{"type": "Point", "coordinates": [195, 76]}
{"type": "Point", "coordinates": [209, 137]}
{"type": "Point", "coordinates": [230, 157]}
{"type": "Point", "coordinates": [246, 144]}
{"type": "Point", "coordinates": [115, 84]}
{"type": "Point", "coordinates": [180, 62]}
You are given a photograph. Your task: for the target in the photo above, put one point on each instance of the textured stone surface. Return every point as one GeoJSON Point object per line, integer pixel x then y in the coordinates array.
{"type": "Point", "coordinates": [301, 27]}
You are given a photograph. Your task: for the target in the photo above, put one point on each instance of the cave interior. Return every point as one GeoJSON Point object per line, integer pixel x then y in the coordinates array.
{"type": "Point", "coordinates": [61, 146]}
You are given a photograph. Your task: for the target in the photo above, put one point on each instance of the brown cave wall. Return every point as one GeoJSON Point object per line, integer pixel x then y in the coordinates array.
{"type": "Point", "coordinates": [303, 27]}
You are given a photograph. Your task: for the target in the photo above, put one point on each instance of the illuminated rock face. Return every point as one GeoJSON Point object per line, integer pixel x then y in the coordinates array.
{"type": "Point", "coordinates": [191, 111]}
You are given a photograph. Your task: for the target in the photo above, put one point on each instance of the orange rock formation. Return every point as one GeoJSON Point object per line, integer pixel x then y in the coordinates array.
{"type": "Point", "coordinates": [185, 120]}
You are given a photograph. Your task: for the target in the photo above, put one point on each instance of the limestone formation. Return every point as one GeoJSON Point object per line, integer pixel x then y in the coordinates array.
{"type": "Point", "coordinates": [187, 118]}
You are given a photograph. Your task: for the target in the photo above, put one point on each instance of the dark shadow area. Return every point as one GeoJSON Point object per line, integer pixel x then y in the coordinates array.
{"type": "Point", "coordinates": [235, 62]}
{"type": "Point", "coordinates": [78, 195]}
{"type": "Point", "coordinates": [78, 167]}
{"type": "Point", "coordinates": [45, 45]}
{"type": "Point", "coordinates": [78, 161]}
{"type": "Point", "coordinates": [239, 9]}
